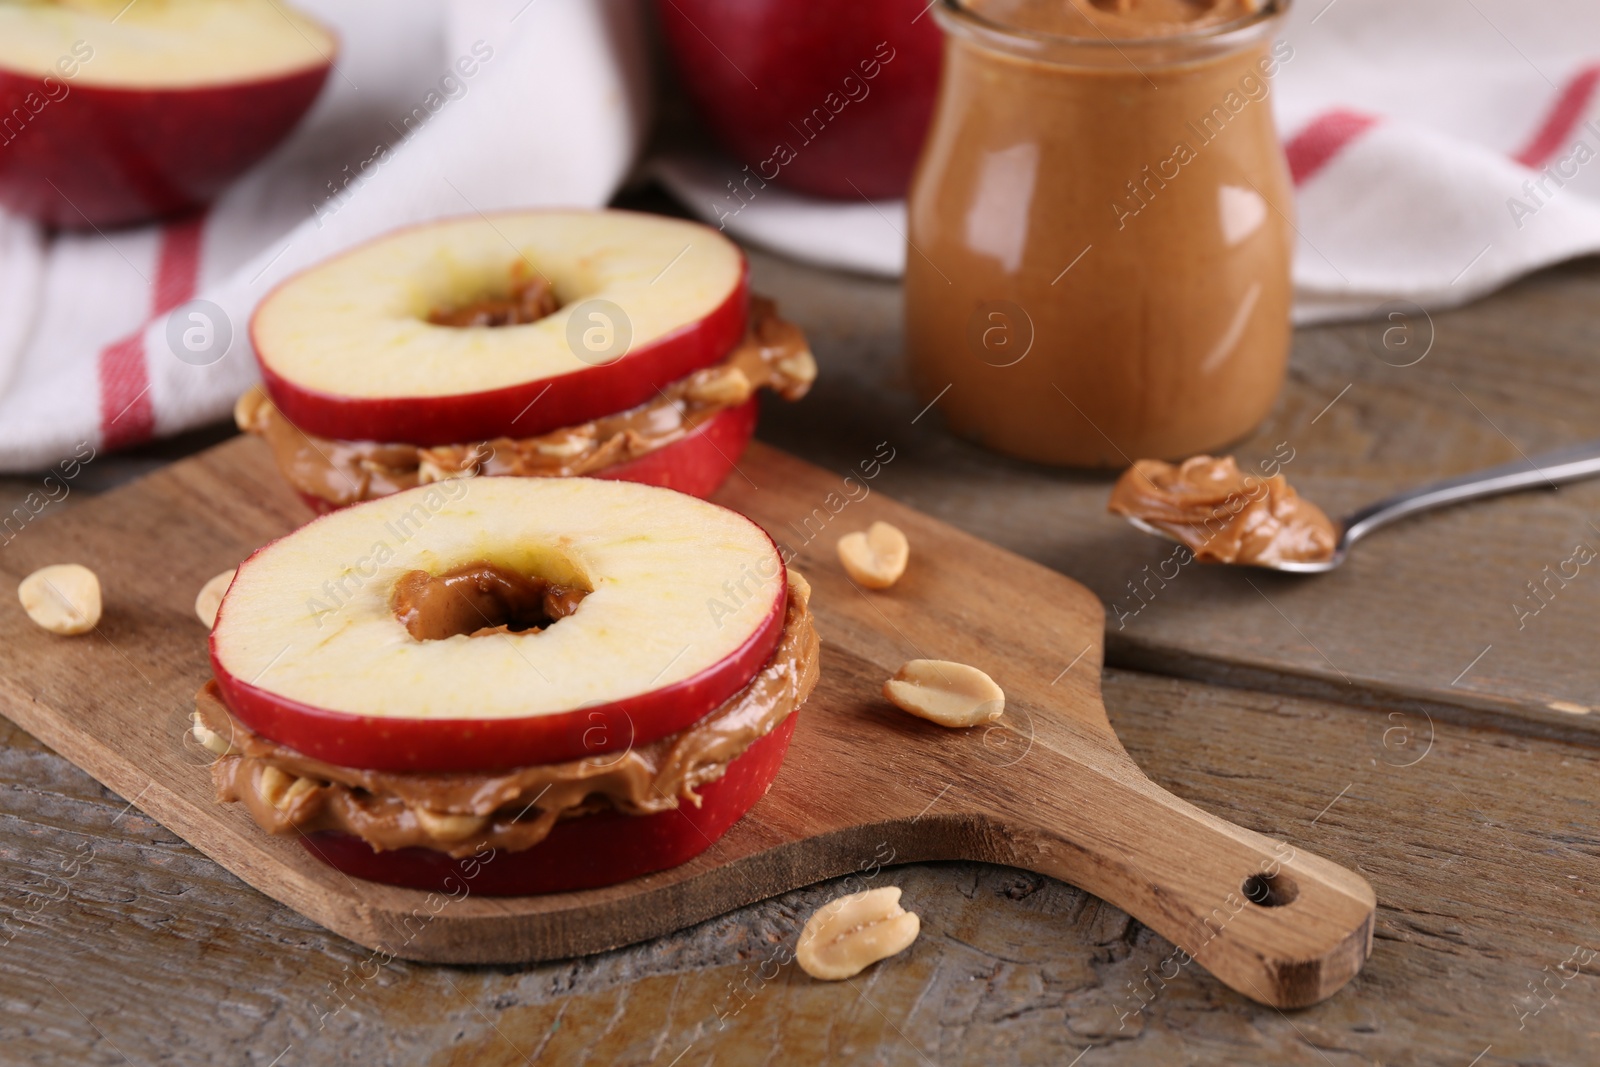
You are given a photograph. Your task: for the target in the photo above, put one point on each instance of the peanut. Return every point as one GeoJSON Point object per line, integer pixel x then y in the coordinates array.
{"type": "Point", "coordinates": [274, 785]}
{"type": "Point", "coordinates": [725, 387]}
{"type": "Point", "coordinates": [798, 586]}
{"type": "Point", "coordinates": [430, 469]}
{"type": "Point", "coordinates": [210, 598]}
{"type": "Point", "coordinates": [800, 368]}
{"type": "Point", "coordinates": [569, 445]}
{"type": "Point", "coordinates": [300, 788]}
{"type": "Point", "coordinates": [64, 598]}
{"type": "Point", "coordinates": [249, 409]}
{"type": "Point", "coordinates": [846, 935]}
{"type": "Point", "coordinates": [208, 738]}
{"type": "Point", "coordinates": [875, 558]}
{"type": "Point", "coordinates": [446, 827]}
{"type": "Point", "coordinates": [950, 694]}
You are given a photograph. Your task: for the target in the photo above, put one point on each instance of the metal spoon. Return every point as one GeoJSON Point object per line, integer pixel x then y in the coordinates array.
{"type": "Point", "coordinates": [1570, 464]}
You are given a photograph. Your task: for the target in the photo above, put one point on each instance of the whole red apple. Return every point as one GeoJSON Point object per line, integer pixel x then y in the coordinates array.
{"type": "Point", "coordinates": [830, 97]}
{"type": "Point", "coordinates": [114, 113]}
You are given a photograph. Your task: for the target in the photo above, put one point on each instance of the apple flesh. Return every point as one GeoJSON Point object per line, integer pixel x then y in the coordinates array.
{"type": "Point", "coordinates": [583, 852]}
{"type": "Point", "coordinates": [830, 97]}
{"type": "Point", "coordinates": [107, 123]}
{"type": "Point", "coordinates": [346, 350]}
{"type": "Point", "coordinates": [685, 605]}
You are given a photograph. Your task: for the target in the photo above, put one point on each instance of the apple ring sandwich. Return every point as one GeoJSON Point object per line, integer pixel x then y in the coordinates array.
{"type": "Point", "coordinates": [608, 344]}
{"type": "Point", "coordinates": [552, 683]}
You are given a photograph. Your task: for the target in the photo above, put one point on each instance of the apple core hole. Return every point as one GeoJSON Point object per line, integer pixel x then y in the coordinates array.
{"type": "Point", "coordinates": [480, 599]}
{"type": "Point", "coordinates": [529, 298]}
{"type": "Point", "coordinates": [1270, 890]}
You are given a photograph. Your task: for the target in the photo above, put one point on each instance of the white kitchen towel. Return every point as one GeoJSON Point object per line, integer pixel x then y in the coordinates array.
{"type": "Point", "coordinates": [553, 112]}
{"type": "Point", "coordinates": [1439, 148]}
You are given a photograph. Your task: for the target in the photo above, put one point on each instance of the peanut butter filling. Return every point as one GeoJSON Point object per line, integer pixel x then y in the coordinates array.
{"type": "Point", "coordinates": [479, 598]}
{"type": "Point", "coordinates": [773, 355]}
{"type": "Point", "coordinates": [1223, 515]}
{"type": "Point", "coordinates": [460, 813]}
{"type": "Point", "coordinates": [530, 300]}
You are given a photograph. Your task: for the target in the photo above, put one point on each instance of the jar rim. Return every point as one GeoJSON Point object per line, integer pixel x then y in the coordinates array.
{"type": "Point", "coordinates": [959, 11]}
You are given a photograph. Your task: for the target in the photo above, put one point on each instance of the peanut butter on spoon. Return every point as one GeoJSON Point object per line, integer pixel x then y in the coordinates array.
{"type": "Point", "coordinates": [1223, 514]}
{"type": "Point", "coordinates": [1227, 517]}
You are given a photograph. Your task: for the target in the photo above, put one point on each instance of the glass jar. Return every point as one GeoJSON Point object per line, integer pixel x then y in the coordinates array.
{"type": "Point", "coordinates": [1100, 235]}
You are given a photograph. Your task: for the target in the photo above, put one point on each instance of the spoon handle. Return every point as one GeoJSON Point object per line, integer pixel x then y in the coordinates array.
{"type": "Point", "coordinates": [1551, 469]}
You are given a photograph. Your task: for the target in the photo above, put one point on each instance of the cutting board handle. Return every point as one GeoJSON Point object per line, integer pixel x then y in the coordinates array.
{"type": "Point", "coordinates": [1271, 920]}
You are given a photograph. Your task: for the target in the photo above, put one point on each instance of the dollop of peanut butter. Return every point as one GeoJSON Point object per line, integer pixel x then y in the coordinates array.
{"type": "Point", "coordinates": [460, 813]}
{"type": "Point", "coordinates": [773, 355]}
{"type": "Point", "coordinates": [479, 598]}
{"type": "Point", "coordinates": [529, 300]}
{"type": "Point", "coordinates": [1224, 515]}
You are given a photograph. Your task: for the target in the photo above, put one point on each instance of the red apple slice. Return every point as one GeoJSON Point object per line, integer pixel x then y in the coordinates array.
{"type": "Point", "coordinates": [580, 853]}
{"type": "Point", "coordinates": [346, 350]}
{"type": "Point", "coordinates": [685, 605]}
{"type": "Point", "coordinates": [113, 113]}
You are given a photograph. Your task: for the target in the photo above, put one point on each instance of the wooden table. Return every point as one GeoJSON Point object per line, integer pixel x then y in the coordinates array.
{"type": "Point", "coordinates": [1392, 717]}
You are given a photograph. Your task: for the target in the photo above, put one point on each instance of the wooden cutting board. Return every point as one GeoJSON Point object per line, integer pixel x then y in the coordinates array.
{"type": "Point", "coordinates": [1047, 788]}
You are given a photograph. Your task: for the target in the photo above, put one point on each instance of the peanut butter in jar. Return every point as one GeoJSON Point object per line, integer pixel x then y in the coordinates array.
{"type": "Point", "coordinates": [1099, 228]}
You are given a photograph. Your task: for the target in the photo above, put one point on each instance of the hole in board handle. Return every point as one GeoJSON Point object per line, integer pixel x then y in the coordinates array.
{"type": "Point", "coordinates": [1270, 891]}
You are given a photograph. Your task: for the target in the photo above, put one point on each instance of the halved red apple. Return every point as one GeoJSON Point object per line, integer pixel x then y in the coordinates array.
{"type": "Point", "coordinates": [684, 604]}
{"type": "Point", "coordinates": [346, 349]}
{"type": "Point", "coordinates": [602, 848]}
{"type": "Point", "coordinates": [113, 113]}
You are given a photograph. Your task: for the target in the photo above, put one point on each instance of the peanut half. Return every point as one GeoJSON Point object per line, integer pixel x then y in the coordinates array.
{"type": "Point", "coordinates": [846, 935]}
{"type": "Point", "coordinates": [875, 558]}
{"type": "Point", "coordinates": [283, 790]}
{"type": "Point", "coordinates": [800, 368]}
{"type": "Point", "coordinates": [444, 826]}
{"type": "Point", "coordinates": [210, 598]}
{"type": "Point", "coordinates": [725, 386]}
{"type": "Point", "coordinates": [208, 738]}
{"type": "Point", "coordinates": [64, 598]}
{"type": "Point", "coordinates": [950, 694]}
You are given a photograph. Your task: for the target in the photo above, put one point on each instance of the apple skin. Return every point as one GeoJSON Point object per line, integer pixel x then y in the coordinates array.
{"type": "Point", "coordinates": [104, 157]}
{"type": "Point", "coordinates": [585, 852]}
{"type": "Point", "coordinates": [799, 53]}
{"type": "Point", "coordinates": [527, 408]}
{"type": "Point", "coordinates": [697, 463]}
{"type": "Point", "coordinates": [398, 744]}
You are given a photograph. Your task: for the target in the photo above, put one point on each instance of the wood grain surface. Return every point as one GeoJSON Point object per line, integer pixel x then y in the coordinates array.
{"type": "Point", "coordinates": [1049, 789]}
{"type": "Point", "coordinates": [1482, 854]}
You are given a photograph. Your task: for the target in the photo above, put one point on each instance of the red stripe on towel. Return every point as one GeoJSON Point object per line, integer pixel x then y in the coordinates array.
{"type": "Point", "coordinates": [1555, 133]}
{"type": "Point", "coordinates": [1323, 138]}
{"type": "Point", "coordinates": [127, 415]}
{"type": "Point", "coordinates": [178, 264]}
